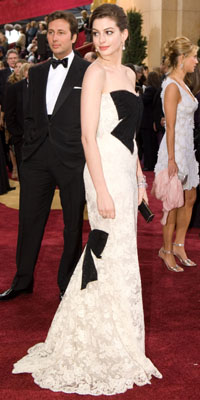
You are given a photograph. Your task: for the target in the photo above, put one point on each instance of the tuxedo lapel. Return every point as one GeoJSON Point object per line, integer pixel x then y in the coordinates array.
{"type": "Point", "coordinates": [42, 85]}
{"type": "Point", "coordinates": [70, 81]}
{"type": "Point", "coordinates": [24, 89]}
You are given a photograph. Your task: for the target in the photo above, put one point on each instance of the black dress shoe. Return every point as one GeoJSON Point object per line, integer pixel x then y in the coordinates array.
{"type": "Point", "coordinates": [12, 293]}
{"type": "Point", "coordinates": [11, 188]}
{"type": "Point", "coordinates": [62, 292]}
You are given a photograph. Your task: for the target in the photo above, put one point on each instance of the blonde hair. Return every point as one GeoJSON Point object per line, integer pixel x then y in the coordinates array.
{"type": "Point", "coordinates": [25, 67]}
{"type": "Point", "coordinates": [2, 66]}
{"type": "Point", "coordinates": [174, 48]}
{"type": "Point", "coordinates": [13, 78]}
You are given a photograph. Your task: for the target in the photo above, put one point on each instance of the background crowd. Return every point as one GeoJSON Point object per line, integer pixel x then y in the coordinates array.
{"type": "Point", "coordinates": [31, 47]}
{"type": "Point", "coordinates": [49, 160]}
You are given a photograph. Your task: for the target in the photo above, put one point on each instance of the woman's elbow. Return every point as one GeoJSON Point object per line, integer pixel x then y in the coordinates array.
{"type": "Point", "coordinates": [87, 140]}
{"type": "Point", "coordinates": [83, 140]}
{"type": "Point", "coordinates": [170, 127]}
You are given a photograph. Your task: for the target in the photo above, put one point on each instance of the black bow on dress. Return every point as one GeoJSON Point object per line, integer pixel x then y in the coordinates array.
{"type": "Point", "coordinates": [96, 242]}
{"type": "Point", "coordinates": [55, 62]}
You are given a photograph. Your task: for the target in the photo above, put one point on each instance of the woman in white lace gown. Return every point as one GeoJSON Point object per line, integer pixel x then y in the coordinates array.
{"type": "Point", "coordinates": [96, 341]}
{"type": "Point", "coordinates": [177, 147]}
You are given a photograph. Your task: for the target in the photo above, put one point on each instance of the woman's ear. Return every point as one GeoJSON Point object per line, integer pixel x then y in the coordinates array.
{"type": "Point", "coordinates": [181, 59]}
{"type": "Point", "coordinates": [125, 34]}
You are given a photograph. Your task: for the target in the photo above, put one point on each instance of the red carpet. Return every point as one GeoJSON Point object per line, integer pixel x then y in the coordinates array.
{"type": "Point", "coordinates": [171, 305]}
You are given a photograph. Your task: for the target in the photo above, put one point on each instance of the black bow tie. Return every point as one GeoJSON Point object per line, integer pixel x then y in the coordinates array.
{"type": "Point", "coordinates": [55, 62]}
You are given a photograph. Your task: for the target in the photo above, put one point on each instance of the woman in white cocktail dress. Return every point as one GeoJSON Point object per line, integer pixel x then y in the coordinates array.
{"type": "Point", "coordinates": [176, 152]}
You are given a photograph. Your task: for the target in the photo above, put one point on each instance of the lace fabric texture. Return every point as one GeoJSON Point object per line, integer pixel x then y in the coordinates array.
{"type": "Point", "coordinates": [184, 140]}
{"type": "Point", "coordinates": [95, 344]}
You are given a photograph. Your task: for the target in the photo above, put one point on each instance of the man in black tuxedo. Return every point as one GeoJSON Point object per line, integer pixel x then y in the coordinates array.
{"type": "Point", "coordinates": [52, 155]}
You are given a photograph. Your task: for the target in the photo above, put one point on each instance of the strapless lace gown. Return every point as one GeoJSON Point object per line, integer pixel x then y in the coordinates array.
{"type": "Point", "coordinates": [95, 344]}
{"type": "Point", "coordinates": [184, 140]}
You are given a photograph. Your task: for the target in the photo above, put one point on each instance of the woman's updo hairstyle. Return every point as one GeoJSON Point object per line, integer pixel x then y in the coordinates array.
{"type": "Point", "coordinates": [112, 11]}
{"type": "Point", "coordinates": [177, 47]}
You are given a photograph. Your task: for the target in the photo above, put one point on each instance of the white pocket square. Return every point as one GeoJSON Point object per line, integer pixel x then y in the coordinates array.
{"type": "Point", "coordinates": [77, 87]}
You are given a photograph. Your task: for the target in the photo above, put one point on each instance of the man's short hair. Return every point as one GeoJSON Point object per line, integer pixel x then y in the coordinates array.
{"type": "Point", "coordinates": [67, 16]}
{"type": "Point", "coordinates": [11, 51]}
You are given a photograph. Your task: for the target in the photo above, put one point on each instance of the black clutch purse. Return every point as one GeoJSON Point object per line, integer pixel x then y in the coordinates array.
{"type": "Point", "coordinates": [145, 211]}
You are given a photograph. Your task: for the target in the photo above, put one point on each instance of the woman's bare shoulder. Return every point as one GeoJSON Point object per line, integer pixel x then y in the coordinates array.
{"type": "Point", "coordinates": [130, 72]}
{"type": "Point", "coordinates": [95, 71]}
{"type": "Point", "coordinates": [172, 89]}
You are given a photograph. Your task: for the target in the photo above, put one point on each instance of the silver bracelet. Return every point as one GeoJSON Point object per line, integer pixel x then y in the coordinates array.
{"type": "Point", "coordinates": [142, 181]}
{"type": "Point", "coordinates": [144, 185]}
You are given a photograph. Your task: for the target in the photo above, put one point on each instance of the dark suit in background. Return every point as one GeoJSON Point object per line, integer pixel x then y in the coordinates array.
{"type": "Point", "coordinates": [4, 183]}
{"type": "Point", "coordinates": [149, 138]}
{"type": "Point", "coordinates": [15, 102]}
{"type": "Point", "coordinates": [4, 74]}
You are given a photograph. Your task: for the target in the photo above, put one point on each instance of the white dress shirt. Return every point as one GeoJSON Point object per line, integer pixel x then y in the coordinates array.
{"type": "Point", "coordinates": [55, 81]}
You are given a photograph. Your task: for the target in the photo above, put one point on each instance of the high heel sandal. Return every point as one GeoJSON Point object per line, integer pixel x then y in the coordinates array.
{"type": "Point", "coordinates": [176, 268]}
{"type": "Point", "coordinates": [187, 262]}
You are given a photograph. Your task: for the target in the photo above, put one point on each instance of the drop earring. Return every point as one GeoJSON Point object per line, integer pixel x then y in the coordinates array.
{"type": "Point", "coordinates": [123, 47]}
{"type": "Point", "coordinates": [181, 66]}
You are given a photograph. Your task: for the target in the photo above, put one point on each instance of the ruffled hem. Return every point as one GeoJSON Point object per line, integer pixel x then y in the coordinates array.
{"type": "Point", "coordinates": [86, 385]}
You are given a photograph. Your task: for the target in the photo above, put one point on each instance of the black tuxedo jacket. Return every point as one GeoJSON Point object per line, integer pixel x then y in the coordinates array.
{"type": "Point", "coordinates": [4, 74]}
{"type": "Point", "coordinates": [15, 102]}
{"type": "Point", "coordinates": [63, 127]}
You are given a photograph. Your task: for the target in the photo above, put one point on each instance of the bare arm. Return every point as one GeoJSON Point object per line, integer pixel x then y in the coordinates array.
{"type": "Point", "coordinates": [141, 179]}
{"type": "Point", "coordinates": [171, 100]}
{"type": "Point", "coordinates": [90, 108]}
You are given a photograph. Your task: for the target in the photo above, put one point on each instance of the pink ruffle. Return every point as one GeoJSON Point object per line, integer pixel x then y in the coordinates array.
{"type": "Point", "coordinates": [169, 191]}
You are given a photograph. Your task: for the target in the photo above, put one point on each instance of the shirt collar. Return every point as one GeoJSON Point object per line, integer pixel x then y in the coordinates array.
{"type": "Point", "coordinates": [70, 57]}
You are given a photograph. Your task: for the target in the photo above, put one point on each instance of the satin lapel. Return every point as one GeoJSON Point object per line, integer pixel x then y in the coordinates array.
{"type": "Point", "coordinates": [68, 84]}
{"type": "Point", "coordinates": [24, 96]}
{"type": "Point", "coordinates": [42, 86]}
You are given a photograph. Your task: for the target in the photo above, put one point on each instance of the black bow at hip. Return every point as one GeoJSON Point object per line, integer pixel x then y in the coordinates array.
{"type": "Point", "coordinates": [96, 242]}
{"type": "Point", "coordinates": [55, 62]}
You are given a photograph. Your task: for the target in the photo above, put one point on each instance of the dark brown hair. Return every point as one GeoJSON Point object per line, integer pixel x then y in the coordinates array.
{"type": "Point", "coordinates": [67, 16]}
{"type": "Point", "coordinates": [154, 80]}
{"type": "Point", "coordinates": [112, 11]}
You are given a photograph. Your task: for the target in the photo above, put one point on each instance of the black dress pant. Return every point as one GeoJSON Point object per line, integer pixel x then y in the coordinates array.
{"type": "Point", "coordinates": [150, 148]}
{"type": "Point", "coordinates": [39, 176]}
{"type": "Point", "coordinates": [18, 155]}
{"type": "Point", "coordinates": [4, 183]}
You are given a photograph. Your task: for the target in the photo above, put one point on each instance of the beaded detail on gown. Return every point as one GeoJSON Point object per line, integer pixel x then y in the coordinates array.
{"type": "Point", "coordinates": [95, 344]}
{"type": "Point", "coordinates": [184, 138]}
